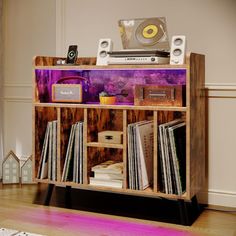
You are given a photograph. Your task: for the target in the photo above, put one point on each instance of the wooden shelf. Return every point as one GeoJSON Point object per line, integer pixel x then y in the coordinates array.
{"type": "Point", "coordinates": [116, 107]}
{"type": "Point", "coordinates": [105, 145]}
{"type": "Point", "coordinates": [49, 63]}
{"type": "Point", "coordinates": [99, 118]}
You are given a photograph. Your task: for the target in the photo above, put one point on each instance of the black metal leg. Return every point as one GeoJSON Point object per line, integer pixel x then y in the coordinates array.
{"type": "Point", "coordinates": [48, 194]}
{"type": "Point", "coordinates": [195, 205]}
{"type": "Point", "coordinates": [68, 197]}
{"type": "Point", "coordinates": [184, 218]}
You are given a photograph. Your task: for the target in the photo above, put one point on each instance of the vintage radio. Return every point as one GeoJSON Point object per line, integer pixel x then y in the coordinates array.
{"type": "Point", "coordinates": [158, 95]}
{"type": "Point", "coordinates": [110, 136]}
{"type": "Point", "coordinates": [67, 92]}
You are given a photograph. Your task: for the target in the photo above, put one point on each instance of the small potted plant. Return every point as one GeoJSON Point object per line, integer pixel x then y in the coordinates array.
{"type": "Point", "coordinates": [107, 99]}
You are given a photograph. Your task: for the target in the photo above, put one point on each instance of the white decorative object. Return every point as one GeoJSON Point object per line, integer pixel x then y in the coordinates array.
{"type": "Point", "coordinates": [26, 172]}
{"type": "Point", "coordinates": [11, 169]}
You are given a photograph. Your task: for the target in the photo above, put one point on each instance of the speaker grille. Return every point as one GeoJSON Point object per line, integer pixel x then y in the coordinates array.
{"type": "Point", "coordinates": [67, 93]}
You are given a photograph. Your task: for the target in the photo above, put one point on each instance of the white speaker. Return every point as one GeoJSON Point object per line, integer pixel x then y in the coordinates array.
{"type": "Point", "coordinates": [178, 50]}
{"type": "Point", "coordinates": [104, 46]}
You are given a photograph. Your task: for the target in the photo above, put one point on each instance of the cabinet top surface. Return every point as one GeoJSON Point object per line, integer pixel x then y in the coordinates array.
{"type": "Point", "coordinates": [89, 63]}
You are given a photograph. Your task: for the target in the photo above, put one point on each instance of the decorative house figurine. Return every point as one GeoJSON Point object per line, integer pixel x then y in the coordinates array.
{"type": "Point", "coordinates": [26, 172]}
{"type": "Point", "coordinates": [11, 169]}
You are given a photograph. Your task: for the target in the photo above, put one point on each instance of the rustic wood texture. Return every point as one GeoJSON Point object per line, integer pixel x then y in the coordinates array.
{"type": "Point", "coordinates": [42, 116]}
{"type": "Point", "coordinates": [116, 117]}
{"type": "Point", "coordinates": [197, 126]}
{"type": "Point", "coordinates": [125, 161]}
{"type": "Point", "coordinates": [103, 120]}
{"type": "Point", "coordinates": [136, 115]}
{"type": "Point", "coordinates": [155, 152]}
{"type": "Point", "coordinates": [58, 166]}
{"type": "Point", "coordinates": [52, 61]}
{"type": "Point", "coordinates": [113, 107]}
{"type": "Point", "coordinates": [158, 95]}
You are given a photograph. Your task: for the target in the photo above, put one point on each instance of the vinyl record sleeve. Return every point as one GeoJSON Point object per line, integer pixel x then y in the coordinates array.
{"type": "Point", "coordinates": [144, 33]}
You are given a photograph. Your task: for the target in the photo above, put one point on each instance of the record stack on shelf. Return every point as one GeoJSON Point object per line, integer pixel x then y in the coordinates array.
{"type": "Point", "coordinates": [73, 166]}
{"type": "Point", "coordinates": [48, 161]}
{"type": "Point", "coordinates": [172, 156]}
{"type": "Point", "coordinates": [140, 155]}
{"type": "Point", "coordinates": [108, 174]}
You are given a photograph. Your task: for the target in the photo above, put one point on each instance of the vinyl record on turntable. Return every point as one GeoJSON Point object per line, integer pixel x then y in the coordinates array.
{"type": "Point", "coordinates": [147, 33]}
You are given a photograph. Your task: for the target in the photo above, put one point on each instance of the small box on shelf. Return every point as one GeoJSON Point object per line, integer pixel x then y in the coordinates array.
{"type": "Point", "coordinates": [110, 136]}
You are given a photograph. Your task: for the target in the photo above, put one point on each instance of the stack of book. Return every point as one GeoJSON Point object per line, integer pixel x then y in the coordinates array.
{"type": "Point", "coordinates": [140, 155]}
{"type": "Point", "coordinates": [48, 160]}
{"type": "Point", "coordinates": [108, 174]}
{"type": "Point", "coordinates": [73, 166]}
{"type": "Point", "coordinates": [172, 156]}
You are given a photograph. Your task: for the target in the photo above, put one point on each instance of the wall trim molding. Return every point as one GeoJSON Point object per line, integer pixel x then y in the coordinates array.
{"type": "Point", "coordinates": [18, 99]}
{"type": "Point", "coordinates": [221, 86]}
{"type": "Point", "coordinates": [221, 90]}
{"type": "Point", "coordinates": [20, 85]}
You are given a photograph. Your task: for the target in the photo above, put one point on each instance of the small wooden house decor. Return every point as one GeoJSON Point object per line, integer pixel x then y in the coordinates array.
{"type": "Point", "coordinates": [26, 172]}
{"type": "Point", "coordinates": [11, 169]}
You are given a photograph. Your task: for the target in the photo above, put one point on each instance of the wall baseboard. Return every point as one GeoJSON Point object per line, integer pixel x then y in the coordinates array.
{"type": "Point", "coordinates": [218, 198]}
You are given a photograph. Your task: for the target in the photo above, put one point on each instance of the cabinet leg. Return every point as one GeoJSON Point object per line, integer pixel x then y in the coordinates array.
{"type": "Point", "coordinates": [195, 205]}
{"type": "Point", "coordinates": [183, 212]}
{"type": "Point", "coordinates": [48, 194]}
{"type": "Point", "coordinates": [68, 197]}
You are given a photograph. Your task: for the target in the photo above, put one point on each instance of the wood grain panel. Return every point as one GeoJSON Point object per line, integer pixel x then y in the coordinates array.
{"type": "Point", "coordinates": [102, 120]}
{"type": "Point", "coordinates": [117, 117]}
{"type": "Point", "coordinates": [136, 115]}
{"type": "Point", "coordinates": [52, 61]}
{"type": "Point", "coordinates": [42, 116]}
{"type": "Point", "coordinates": [197, 124]}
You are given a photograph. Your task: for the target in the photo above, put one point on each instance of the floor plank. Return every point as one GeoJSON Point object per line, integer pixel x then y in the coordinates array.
{"type": "Point", "coordinates": [17, 211]}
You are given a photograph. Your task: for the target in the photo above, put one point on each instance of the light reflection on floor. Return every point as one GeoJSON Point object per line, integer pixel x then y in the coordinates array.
{"type": "Point", "coordinates": [80, 223]}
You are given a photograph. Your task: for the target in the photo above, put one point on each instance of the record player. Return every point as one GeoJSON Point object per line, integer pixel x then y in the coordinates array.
{"type": "Point", "coordinates": [144, 41]}
{"type": "Point", "coordinates": [138, 57]}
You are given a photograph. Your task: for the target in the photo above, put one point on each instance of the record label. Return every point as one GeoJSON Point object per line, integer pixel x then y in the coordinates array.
{"type": "Point", "coordinates": [150, 31]}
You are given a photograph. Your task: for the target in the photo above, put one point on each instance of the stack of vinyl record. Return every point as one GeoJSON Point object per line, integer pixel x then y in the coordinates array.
{"type": "Point", "coordinates": [140, 155]}
{"type": "Point", "coordinates": [108, 174]}
{"type": "Point", "coordinates": [172, 156]}
{"type": "Point", "coordinates": [73, 166]}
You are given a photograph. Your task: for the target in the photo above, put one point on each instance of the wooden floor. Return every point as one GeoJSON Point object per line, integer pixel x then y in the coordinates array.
{"type": "Point", "coordinates": [17, 211]}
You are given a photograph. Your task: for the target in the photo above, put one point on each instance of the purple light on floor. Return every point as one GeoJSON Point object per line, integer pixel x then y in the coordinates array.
{"type": "Point", "coordinates": [85, 224]}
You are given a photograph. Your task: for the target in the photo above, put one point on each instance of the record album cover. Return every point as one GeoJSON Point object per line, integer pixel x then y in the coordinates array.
{"type": "Point", "coordinates": [144, 33]}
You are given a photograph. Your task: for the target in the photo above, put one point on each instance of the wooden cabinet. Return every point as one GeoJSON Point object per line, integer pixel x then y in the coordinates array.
{"type": "Point", "coordinates": [98, 118]}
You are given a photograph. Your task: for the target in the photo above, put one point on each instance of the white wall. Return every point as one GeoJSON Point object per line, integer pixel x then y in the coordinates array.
{"type": "Point", "coordinates": [29, 30]}
{"type": "Point", "coordinates": [210, 29]}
